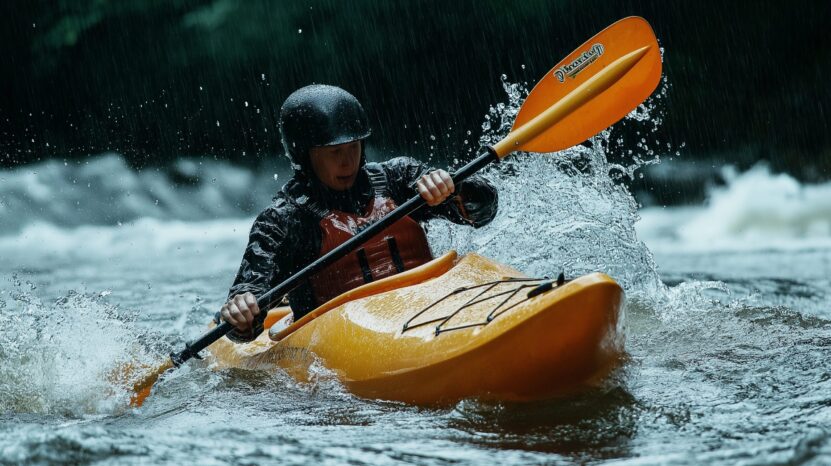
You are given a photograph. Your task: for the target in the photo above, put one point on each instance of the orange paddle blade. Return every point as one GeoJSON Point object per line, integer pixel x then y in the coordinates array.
{"type": "Point", "coordinates": [595, 86]}
{"type": "Point", "coordinates": [127, 376]}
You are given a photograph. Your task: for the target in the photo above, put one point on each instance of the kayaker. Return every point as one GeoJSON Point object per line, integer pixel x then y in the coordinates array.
{"type": "Point", "coordinates": [332, 194]}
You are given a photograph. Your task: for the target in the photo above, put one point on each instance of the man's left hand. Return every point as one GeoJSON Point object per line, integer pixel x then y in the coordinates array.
{"type": "Point", "coordinates": [435, 187]}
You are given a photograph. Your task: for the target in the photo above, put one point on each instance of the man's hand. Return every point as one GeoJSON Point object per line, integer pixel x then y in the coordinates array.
{"type": "Point", "coordinates": [240, 311]}
{"type": "Point", "coordinates": [435, 187]}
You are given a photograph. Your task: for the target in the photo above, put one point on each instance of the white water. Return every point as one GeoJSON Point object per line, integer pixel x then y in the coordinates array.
{"type": "Point", "coordinates": [755, 210]}
{"type": "Point", "coordinates": [104, 190]}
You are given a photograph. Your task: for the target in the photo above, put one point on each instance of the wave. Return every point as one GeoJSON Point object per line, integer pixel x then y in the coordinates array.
{"type": "Point", "coordinates": [754, 210]}
{"type": "Point", "coordinates": [104, 190]}
{"type": "Point", "coordinates": [129, 240]}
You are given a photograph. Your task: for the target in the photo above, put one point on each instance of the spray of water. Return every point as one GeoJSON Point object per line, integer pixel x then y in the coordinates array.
{"type": "Point", "coordinates": [58, 358]}
{"type": "Point", "coordinates": [558, 212]}
{"type": "Point", "coordinates": [572, 212]}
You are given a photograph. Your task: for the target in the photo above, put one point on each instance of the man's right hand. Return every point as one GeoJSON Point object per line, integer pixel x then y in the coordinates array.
{"type": "Point", "coordinates": [240, 312]}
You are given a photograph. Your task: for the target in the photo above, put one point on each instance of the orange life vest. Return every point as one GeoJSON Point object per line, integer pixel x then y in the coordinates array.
{"type": "Point", "coordinates": [400, 247]}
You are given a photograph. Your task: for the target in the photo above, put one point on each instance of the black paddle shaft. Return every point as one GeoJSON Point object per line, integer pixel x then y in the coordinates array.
{"type": "Point", "coordinates": [275, 294]}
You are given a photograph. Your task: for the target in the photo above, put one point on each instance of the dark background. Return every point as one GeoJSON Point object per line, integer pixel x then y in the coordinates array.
{"type": "Point", "coordinates": [151, 79]}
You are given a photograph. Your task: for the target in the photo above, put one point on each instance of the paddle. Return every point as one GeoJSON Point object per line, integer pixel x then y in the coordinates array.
{"type": "Point", "coordinates": [589, 90]}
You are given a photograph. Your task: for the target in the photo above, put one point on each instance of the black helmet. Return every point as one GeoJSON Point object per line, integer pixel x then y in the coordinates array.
{"type": "Point", "coordinates": [319, 115]}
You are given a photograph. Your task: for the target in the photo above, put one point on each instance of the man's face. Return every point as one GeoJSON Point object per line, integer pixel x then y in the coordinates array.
{"type": "Point", "coordinates": [337, 166]}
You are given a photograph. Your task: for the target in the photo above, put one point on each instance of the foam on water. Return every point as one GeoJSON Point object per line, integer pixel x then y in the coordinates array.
{"type": "Point", "coordinates": [754, 210]}
{"type": "Point", "coordinates": [104, 190]}
{"type": "Point", "coordinates": [135, 238]}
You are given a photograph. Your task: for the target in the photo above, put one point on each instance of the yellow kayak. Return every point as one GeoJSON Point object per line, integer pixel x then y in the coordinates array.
{"type": "Point", "coordinates": [448, 330]}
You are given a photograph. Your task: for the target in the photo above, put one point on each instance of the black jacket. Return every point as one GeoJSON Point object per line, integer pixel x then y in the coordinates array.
{"type": "Point", "coordinates": [286, 237]}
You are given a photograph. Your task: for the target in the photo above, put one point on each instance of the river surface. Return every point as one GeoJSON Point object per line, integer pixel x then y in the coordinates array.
{"type": "Point", "coordinates": [728, 320]}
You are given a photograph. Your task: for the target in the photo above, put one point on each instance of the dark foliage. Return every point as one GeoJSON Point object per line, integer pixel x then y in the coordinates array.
{"type": "Point", "coordinates": [159, 78]}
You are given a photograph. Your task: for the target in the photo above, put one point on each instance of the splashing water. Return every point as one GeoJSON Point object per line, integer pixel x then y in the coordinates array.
{"type": "Point", "coordinates": [58, 358]}
{"type": "Point", "coordinates": [566, 214]}
{"type": "Point", "coordinates": [571, 211]}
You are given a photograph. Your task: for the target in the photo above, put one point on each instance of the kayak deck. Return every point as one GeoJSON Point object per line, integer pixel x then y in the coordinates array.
{"type": "Point", "coordinates": [471, 331]}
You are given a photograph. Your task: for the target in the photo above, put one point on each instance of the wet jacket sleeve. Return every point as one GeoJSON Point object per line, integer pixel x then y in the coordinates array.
{"type": "Point", "coordinates": [475, 202]}
{"type": "Point", "coordinates": [264, 264]}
